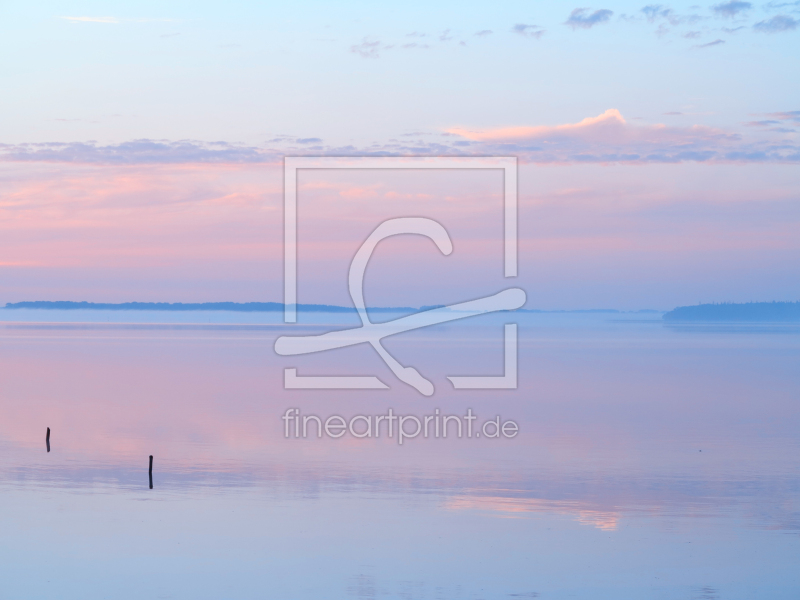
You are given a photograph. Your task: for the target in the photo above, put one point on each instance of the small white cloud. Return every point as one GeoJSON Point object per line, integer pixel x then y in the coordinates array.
{"type": "Point", "coordinates": [368, 48]}
{"type": "Point", "coordinates": [777, 24]}
{"type": "Point", "coordinates": [91, 19]}
{"type": "Point", "coordinates": [580, 18]}
{"type": "Point", "coordinates": [731, 9]}
{"type": "Point", "coordinates": [531, 31]}
{"type": "Point", "coordinates": [710, 44]}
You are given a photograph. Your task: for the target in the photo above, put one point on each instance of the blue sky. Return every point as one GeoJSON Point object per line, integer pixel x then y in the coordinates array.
{"type": "Point", "coordinates": [141, 143]}
{"type": "Point", "coordinates": [362, 73]}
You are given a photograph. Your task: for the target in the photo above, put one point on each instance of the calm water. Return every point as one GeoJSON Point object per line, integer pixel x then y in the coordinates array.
{"type": "Point", "coordinates": [652, 462]}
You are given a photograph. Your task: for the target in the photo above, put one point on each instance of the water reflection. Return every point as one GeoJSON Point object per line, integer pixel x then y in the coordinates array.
{"type": "Point", "coordinates": [637, 440]}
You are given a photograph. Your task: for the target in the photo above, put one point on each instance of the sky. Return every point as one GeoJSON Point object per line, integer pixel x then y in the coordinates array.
{"type": "Point", "coordinates": [141, 149]}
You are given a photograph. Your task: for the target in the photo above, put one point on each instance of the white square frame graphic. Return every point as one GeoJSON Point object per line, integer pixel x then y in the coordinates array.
{"type": "Point", "coordinates": [292, 164]}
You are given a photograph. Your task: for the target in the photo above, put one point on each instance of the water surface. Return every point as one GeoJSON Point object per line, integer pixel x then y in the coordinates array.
{"type": "Point", "coordinates": [652, 462]}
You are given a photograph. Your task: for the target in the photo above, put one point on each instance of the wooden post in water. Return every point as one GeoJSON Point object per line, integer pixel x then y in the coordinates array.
{"type": "Point", "coordinates": [151, 471]}
{"type": "Point", "coordinates": [47, 439]}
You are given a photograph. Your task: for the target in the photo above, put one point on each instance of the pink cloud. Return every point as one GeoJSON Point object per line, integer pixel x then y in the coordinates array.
{"type": "Point", "coordinates": [605, 138]}
{"type": "Point", "coordinates": [608, 138]}
{"type": "Point", "coordinates": [95, 216]}
{"type": "Point", "coordinates": [609, 128]}
{"type": "Point", "coordinates": [609, 121]}
{"type": "Point", "coordinates": [199, 232]}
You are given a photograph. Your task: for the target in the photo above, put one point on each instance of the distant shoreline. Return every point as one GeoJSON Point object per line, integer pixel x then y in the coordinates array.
{"type": "Point", "coordinates": [205, 306]}
{"type": "Point", "coordinates": [752, 312]}
{"type": "Point", "coordinates": [756, 312]}
{"type": "Point", "coordinates": [260, 307]}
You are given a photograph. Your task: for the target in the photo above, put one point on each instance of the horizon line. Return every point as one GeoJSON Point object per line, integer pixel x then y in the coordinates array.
{"type": "Point", "coordinates": [261, 307]}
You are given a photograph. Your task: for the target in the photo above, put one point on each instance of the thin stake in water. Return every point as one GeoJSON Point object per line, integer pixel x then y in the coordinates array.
{"type": "Point", "coordinates": [47, 439]}
{"type": "Point", "coordinates": [151, 471]}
